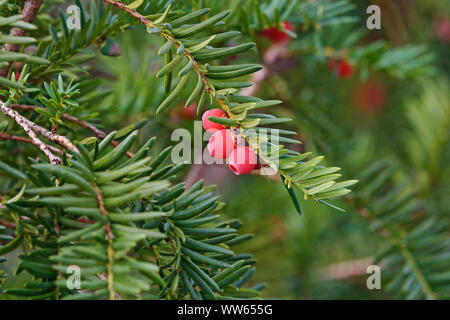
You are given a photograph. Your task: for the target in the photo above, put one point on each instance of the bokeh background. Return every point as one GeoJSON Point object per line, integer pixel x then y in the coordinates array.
{"type": "Point", "coordinates": [396, 110]}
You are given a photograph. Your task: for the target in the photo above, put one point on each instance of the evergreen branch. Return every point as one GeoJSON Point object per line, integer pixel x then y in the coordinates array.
{"type": "Point", "coordinates": [169, 37]}
{"type": "Point", "coordinates": [130, 211]}
{"type": "Point", "coordinates": [59, 48]}
{"type": "Point", "coordinates": [29, 11]}
{"type": "Point", "coordinates": [237, 111]}
{"type": "Point", "coordinates": [420, 275]}
{"type": "Point", "coordinates": [383, 230]}
{"type": "Point", "coordinates": [394, 211]}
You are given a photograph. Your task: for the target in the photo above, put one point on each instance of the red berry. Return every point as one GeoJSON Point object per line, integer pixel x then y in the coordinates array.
{"type": "Point", "coordinates": [442, 29]}
{"type": "Point", "coordinates": [221, 144]}
{"type": "Point", "coordinates": [242, 160]}
{"type": "Point", "coordinates": [342, 68]}
{"type": "Point", "coordinates": [370, 96]}
{"type": "Point", "coordinates": [17, 75]}
{"type": "Point", "coordinates": [276, 35]}
{"type": "Point", "coordinates": [212, 126]}
{"type": "Point", "coordinates": [288, 26]}
{"type": "Point", "coordinates": [189, 113]}
{"type": "Point", "coordinates": [345, 69]}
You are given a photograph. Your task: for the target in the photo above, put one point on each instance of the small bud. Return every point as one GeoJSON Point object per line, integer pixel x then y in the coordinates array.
{"type": "Point", "coordinates": [110, 48]}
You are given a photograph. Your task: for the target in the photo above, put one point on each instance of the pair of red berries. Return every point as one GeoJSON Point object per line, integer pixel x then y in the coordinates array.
{"type": "Point", "coordinates": [222, 145]}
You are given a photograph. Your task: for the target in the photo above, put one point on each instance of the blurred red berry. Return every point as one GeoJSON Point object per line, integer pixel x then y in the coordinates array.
{"type": "Point", "coordinates": [212, 126]}
{"type": "Point", "coordinates": [342, 68]}
{"type": "Point", "coordinates": [189, 113]}
{"type": "Point", "coordinates": [345, 69]}
{"type": "Point", "coordinates": [442, 29]}
{"type": "Point", "coordinates": [221, 144]}
{"type": "Point", "coordinates": [242, 160]}
{"type": "Point", "coordinates": [370, 96]}
{"type": "Point", "coordinates": [17, 75]}
{"type": "Point", "coordinates": [275, 35]}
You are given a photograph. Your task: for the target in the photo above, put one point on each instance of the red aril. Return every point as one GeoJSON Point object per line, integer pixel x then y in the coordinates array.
{"type": "Point", "coordinates": [212, 126]}
{"type": "Point", "coordinates": [370, 96]}
{"type": "Point", "coordinates": [275, 35]}
{"type": "Point", "coordinates": [242, 160]}
{"type": "Point", "coordinates": [221, 144]}
{"type": "Point", "coordinates": [342, 68]}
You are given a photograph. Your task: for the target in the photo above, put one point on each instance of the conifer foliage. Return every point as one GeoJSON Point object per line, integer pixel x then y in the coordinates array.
{"type": "Point", "coordinates": [107, 203]}
{"type": "Point", "coordinates": [122, 217]}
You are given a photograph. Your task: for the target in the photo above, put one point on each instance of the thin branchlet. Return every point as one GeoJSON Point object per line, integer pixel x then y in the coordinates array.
{"type": "Point", "coordinates": [84, 124]}
{"type": "Point", "coordinates": [7, 137]}
{"type": "Point", "coordinates": [142, 19]}
{"type": "Point", "coordinates": [28, 128]}
{"type": "Point", "coordinates": [109, 238]}
{"type": "Point", "coordinates": [53, 137]}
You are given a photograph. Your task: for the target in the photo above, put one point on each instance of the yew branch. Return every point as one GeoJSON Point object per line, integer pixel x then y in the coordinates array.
{"type": "Point", "coordinates": [29, 11]}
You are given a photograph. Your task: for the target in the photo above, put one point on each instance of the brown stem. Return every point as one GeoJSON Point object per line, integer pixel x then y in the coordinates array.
{"type": "Point", "coordinates": [7, 136]}
{"type": "Point", "coordinates": [29, 11]}
{"type": "Point", "coordinates": [28, 128]}
{"type": "Point", "coordinates": [58, 139]}
{"type": "Point", "coordinates": [109, 238]}
{"type": "Point", "coordinates": [97, 132]}
{"type": "Point", "coordinates": [84, 124]}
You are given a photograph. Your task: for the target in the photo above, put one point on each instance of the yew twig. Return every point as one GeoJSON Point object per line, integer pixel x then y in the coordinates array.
{"type": "Point", "coordinates": [28, 128]}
